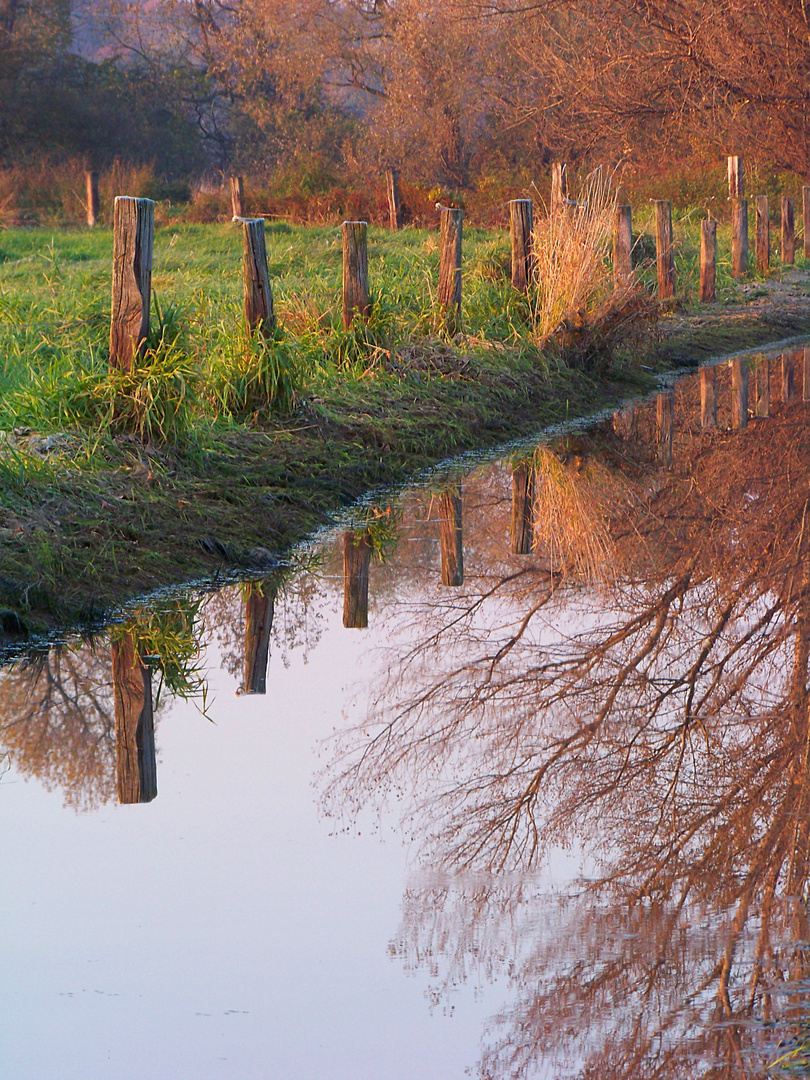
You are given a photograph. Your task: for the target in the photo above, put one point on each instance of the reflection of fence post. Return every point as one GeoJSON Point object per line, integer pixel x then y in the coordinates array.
{"type": "Point", "coordinates": [739, 237]}
{"type": "Point", "coordinates": [450, 537]}
{"type": "Point", "coordinates": [763, 235]}
{"type": "Point", "coordinates": [133, 235]}
{"type": "Point", "coordinates": [624, 423]}
{"type": "Point", "coordinates": [135, 762]}
{"type": "Point", "coordinates": [93, 204]}
{"type": "Point", "coordinates": [806, 374]}
{"type": "Point", "coordinates": [356, 559]}
{"type": "Point", "coordinates": [237, 196]}
{"type": "Point", "coordinates": [259, 607]}
{"type": "Point", "coordinates": [449, 291]}
{"type": "Point", "coordinates": [806, 220]}
{"type": "Point", "coordinates": [355, 271]}
{"type": "Point", "coordinates": [788, 230]}
{"type": "Point", "coordinates": [664, 422]}
{"type": "Point", "coordinates": [623, 245]}
{"type": "Point", "coordinates": [788, 379]}
{"type": "Point", "coordinates": [739, 394]}
{"type": "Point", "coordinates": [708, 397]}
{"type": "Point", "coordinates": [762, 387]}
{"type": "Point", "coordinates": [521, 225]}
{"type": "Point", "coordinates": [522, 524]}
{"type": "Point", "coordinates": [394, 198]}
{"type": "Point", "coordinates": [664, 256]}
{"type": "Point", "coordinates": [259, 313]}
{"type": "Point", "coordinates": [708, 261]}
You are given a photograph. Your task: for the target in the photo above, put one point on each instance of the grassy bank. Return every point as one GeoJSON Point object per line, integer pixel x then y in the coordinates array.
{"type": "Point", "coordinates": [223, 452]}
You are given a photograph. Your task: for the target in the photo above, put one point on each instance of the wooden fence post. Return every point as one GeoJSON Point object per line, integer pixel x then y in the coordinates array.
{"type": "Point", "coordinates": [788, 379]}
{"type": "Point", "coordinates": [521, 227]}
{"type": "Point", "coordinates": [739, 394]}
{"type": "Point", "coordinates": [449, 292]}
{"type": "Point", "coordinates": [133, 237]}
{"type": "Point", "coordinates": [260, 599]}
{"type": "Point", "coordinates": [355, 271]}
{"type": "Point", "coordinates": [135, 761]}
{"type": "Point", "coordinates": [394, 198]}
{"type": "Point", "coordinates": [237, 186]}
{"type": "Point", "coordinates": [763, 235]}
{"type": "Point", "coordinates": [762, 387]}
{"type": "Point", "coordinates": [664, 423]}
{"type": "Point", "coordinates": [806, 220]}
{"type": "Point", "coordinates": [450, 537]}
{"type": "Point", "coordinates": [806, 374]}
{"type": "Point", "coordinates": [521, 531]}
{"type": "Point", "coordinates": [665, 258]}
{"type": "Point", "coordinates": [739, 237]}
{"type": "Point", "coordinates": [788, 230]}
{"type": "Point", "coordinates": [559, 187]}
{"type": "Point", "coordinates": [708, 261]}
{"type": "Point", "coordinates": [93, 204]}
{"type": "Point", "coordinates": [356, 559]}
{"type": "Point", "coordinates": [259, 314]}
{"type": "Point", "coordinates": [736, 179]}
{"type": "Point", "coordinates": [708, 397]}
{"type": "Point", "coordinates": [623, 245]}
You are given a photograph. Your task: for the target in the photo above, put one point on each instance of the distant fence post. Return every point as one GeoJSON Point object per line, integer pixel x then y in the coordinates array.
{"type": "Point", "coordinates": [762, 387]}
{"type": "Point", "coordinates": [449, 292]}
{"type": "Point", "coordinates": [521, 226]}
{"type": "Point", "coordinates": [763, 235]}
{"type": "Point", "coordinates": [522, 524]}
{"type": "Point", "coordinates": [135, 760]}
{"type": "Point", "coordinates": [788, 379]}
{"type": "Point", "coordinates": [356, 560]}
{"type": "Point", "coordinates": [260, 598]}
{"type": "Point", "coordinates": [788, 230]}
{"type": "Point", "coordinates": [708, 261]}
{"type": "Point", "coordinates": [450, 537]}
{"type": "Point", "coordinates": [394, 198]}
{"type": "Point", "coordinates": [739, 394]}
{"type": "Point", "coordinates": [708, 397]}
{"type": "Point", "coordinates": [559, 186]}
{"type": "Point", "coordinates": [355, 271]}
{"type": "Point", "coordinates": [739, 237]}
{"type": "Point", "coordinates": [259, 314]}
{"type": "Point", "coordinates": [736, 178]}
{"type": "Point", "coordinates": [665, 257]}
{"type": "Point", "coordinates": [664, 422]}
{"type": "Point", "coordinates": [806, 220]}
{"type": "Point", "coordinates": [93, 204]}
{"type": "Point", "coordinates": [623, 245]}
{"type": "Point", "coordinates": [133, 238]}
{"type": "Point", "coordinates": [237, 186]}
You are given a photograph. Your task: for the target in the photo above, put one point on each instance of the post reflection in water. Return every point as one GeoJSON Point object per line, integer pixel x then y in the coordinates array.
{"type": "Point", "coordinates": [658, 722]}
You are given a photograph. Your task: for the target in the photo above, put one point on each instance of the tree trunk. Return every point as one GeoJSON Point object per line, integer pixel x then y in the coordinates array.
{"type": "Point", "coordinates": [134, 229]}
{"type": "Point", "coordinates": [708, 261]}
{"type": "Point", "coordinates": [258, 295]}
{"type": "Point", "coordinates": [260, 600]}
{"type": "Point", "coordinates": [449, 292]}
{"type": "Point", "coordinates": [521, 226]}
{"type": "Point", "coordinates": [356, 298]}
{"type": "Point", "coordinates": [623, 246]}
{"type": "Point", "coordinates": [356, 559]}
{"type": "Point", "coordinates": [521, 532]}
{"type": "Point", "coordinates": [135, 760]}
{"type": "Point", "coordinates": [450, 537]}
{"type": "Point", "coordinates": [665, 258]}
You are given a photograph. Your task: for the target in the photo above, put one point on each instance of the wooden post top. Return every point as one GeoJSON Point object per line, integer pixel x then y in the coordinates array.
{"type": "Point", "coordinates": [134, 198]}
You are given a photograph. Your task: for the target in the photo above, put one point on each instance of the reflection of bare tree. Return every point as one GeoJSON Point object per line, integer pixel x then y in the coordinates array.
{"type": "Point", "coordinates": [57, 722]}
{"type": "Point", "coordinates": [663, 725]}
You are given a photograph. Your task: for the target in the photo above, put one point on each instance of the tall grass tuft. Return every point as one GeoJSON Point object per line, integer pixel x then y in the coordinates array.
{"type": "Point", "coordinates": [251, 372]}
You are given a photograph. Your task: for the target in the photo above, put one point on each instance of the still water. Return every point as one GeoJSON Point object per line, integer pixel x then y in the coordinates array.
{"type": "Point", "coordinates": [550, 821]}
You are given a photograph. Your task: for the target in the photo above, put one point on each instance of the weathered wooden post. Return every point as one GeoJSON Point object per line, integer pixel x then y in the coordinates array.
{"type": "Point", "coordinates": [665, 257]}
{"type": "Point", "coordinates": [449, 292]}
{"type": "Point", "coordinates": [708, 397]}
{"type": "Point", "coordinates": [788, 230]}
{"type": "Point", "coordinates": [356, 297]}
{"type": "Point", "coordinates": [521, 227]}
{"type": "Point", "coordinates": [736, 179]}
{"type": "Point", "coordinates": [260, 599]}
{"type": "Point", "coordinates": [394, 198]}
{"type": "Point", "coordinates": [356, 559]}
{"type": "Point", "coordinates": [788, 379]}
{"type": "Point", "coordinates": [237, 186]}
{"type": "Point", "coordinates": [739, 237]}
{"type": "Point", "coordinates": [133, 237]}
{"type": "Point", "coordinates": [664, 423]}
{"type": "Point", "coordinates": [762, 387]}
{"type": "Point", "coordinates": [259, 314]}
{"type": "Point", "coordinates": [739, 394]}
{"type": "Point", "coordinates": [623, 245]}
{"type": "Point", "coordinates": [708, 261]}
{"type": "Point", "coordinates": [521, 530]}
{"type": "Point", "coordinates": [806, 220]}
{"type": "Point", "coordinates": [135, 761]}
{"type": "Point", "coordinates": [93, 204]}
{"type": "Point", "coordinates": [806, 374]}
{"type": "Point", "coordinates": [763, 235]}
{"type": "Point", "coordinates": [559, 187]}
{"type": "Point", "coordinates": [450, 537]}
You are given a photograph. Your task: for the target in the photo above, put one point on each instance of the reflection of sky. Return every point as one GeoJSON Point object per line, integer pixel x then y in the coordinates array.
{"type": "Point", "coordinates": [219, 931]}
